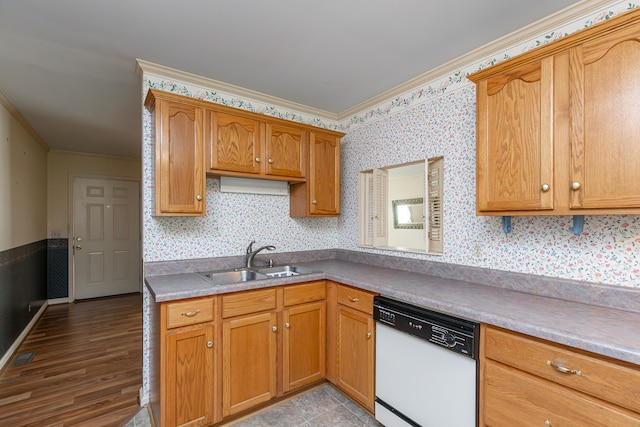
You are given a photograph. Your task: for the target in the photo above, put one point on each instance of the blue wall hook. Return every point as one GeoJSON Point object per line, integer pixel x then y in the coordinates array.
{"type": "Point", "coordinates": [578, 224]}
{"type": "Point", "coordinates": [506, 224]}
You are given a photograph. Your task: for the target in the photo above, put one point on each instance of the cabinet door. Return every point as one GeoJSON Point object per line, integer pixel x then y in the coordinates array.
{"type": "Point", "coordinates": [304, 345]}
{"type": "Point", "coordinates": [324, 175]}
{"type": "Point", "coordinates": [515, 139]}
{"type": "Point", "coordinates": [180, 179]}
{"type": "Point", "coordinates": [355, 361]}
{"type": "Point", "coordinates": [605, 121]}
{"type": "Point", "coordinates": [286, 149]}
{"type": "Point", "coordinates": [190, 378]}
{"type": "Point", "coordinates": [248, 361]}
{"type": "Point", "coordinates": [235, 143]}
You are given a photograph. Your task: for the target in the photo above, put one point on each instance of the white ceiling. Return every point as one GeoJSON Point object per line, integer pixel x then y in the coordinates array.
{"type": "Point", "coordinates": [69, 65]}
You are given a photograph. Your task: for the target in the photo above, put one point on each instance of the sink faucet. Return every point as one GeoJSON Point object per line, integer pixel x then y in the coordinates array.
{"type": "Point", "coordinates": [251, 253]}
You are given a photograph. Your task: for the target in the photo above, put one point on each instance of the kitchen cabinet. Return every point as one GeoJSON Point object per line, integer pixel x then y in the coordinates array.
{"type": "Point", "coordinates": [304, 335]}
{"type": "Point", "coordinates": [352, 349]}
{"type": "Point", "coordinates": [179, 160]}
{"type": "Point", "coordinates": [187, 363]}
{"type": "Point", "coordinates": [527, 381]}
{"type": "Point", "coordinates": [320, 194]}
{"type": "Point", "coordinates": [249, 346]}
{"type": "Point", "coordinates": [246, 144]}
{"type": "Point", "coordinates": [268, 331]}
{"type": "Point", "coordinates": [556, 126]}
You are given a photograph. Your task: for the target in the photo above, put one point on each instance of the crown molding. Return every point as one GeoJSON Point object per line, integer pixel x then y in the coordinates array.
{"type": "Point", "coordinates": [537, 28]}
{"type": "Point", "coordinates": [143, 66]}
{"type": "Point", "coordinates": [100, 156]}
{"type": "Point", "coordinates": [16, 114]}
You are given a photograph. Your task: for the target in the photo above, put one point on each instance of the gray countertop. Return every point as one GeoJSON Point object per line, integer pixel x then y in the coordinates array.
{"type": "Point", "coordinates": [605, 331]}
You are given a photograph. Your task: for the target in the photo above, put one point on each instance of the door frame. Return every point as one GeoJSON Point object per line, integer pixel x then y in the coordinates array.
{"type": "Point", "coordinates": [70, 215]}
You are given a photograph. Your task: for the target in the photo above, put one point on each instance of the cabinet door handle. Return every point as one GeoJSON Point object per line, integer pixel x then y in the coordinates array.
{"type": "Point", "coordinates": [369, 335]}
{"type": "Point", "coordinates": [257, 159]}
{"type": "Point", "coordinates": [545, 188]}
{"type": "Point", "coordinates": [575, 185]}
{"type": "Point", "coordinates": [548, 423]}
{"type": "Point", "coordinates": [209, 344]}
{"type": "Point", "coordinates": [354, 299]}
{"type": "Point", "coordinates": [190, 313]}
{"type": "Point", "coordinates": [287, 325]}
{"type": "Point", "coordinates": [198, 197]}
{"type": "Point", "coordinates": [564, 370]}
{"type": "Point", "coordinates": [274, 328]}
{"type": "Point", "coordinates": [270, 160]}
{"type": "Point", "coordinates": [315, 202]}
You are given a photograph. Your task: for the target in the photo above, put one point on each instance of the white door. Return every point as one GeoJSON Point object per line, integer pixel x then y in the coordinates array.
{"type": "Point", "coordinates": [106, 237]}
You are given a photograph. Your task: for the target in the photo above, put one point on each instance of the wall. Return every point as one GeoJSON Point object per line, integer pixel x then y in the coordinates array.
{"type": "Point", "coordinates": [441, 120]}
{"type": "Point", "coordinates": [23, 202]}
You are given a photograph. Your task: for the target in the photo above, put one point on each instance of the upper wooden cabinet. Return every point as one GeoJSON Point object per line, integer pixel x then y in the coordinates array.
{"type": "Point", "coordinates": [179, 165]}
{"type": "Point", "coordinates": [557, 126]}
{"type": "Point", "coordinates": [320, 195]}
{"type": "Point", "coordinates": [240, 143]}
{"type": "Point", "coordinates": [195, 138]}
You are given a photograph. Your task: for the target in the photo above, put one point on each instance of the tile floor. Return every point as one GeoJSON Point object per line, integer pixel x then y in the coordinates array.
{"type": "Point", "coordinates": [325, 406]}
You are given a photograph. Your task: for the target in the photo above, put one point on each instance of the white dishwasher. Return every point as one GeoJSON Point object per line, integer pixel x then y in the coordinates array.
{"type": "Point", "coordinates": [426, 367]}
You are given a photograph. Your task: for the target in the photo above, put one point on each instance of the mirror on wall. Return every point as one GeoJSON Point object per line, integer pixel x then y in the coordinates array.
{"type": "Point", "coordinates": [408, 213]}
{"type": "Point", "coordinates": [400, 207]}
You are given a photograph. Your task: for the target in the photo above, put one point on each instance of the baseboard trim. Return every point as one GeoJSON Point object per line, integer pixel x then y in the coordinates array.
{"type": "Point", "coordinates": [144, 400]}
{"type": "Point", "coordinates": [9, 353]}
{"type": "Point", "coordinates": [55, 301]}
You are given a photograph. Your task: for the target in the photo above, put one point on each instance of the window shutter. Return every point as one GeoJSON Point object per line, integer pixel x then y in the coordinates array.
{"type": "Point", "coordinates": [381, 221]}
{"type": "Point", "coordinates": [435, 178]}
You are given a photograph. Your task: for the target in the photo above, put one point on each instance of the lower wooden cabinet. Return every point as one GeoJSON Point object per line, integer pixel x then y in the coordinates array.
{"type": "Point", "coordinates": [249, 351]}
{"type": "Point", "coordinates": [303, 345]}
{"type": "Point", "coordinates": [187, 374]}
{"type": "Point", "coordinates": [351, 342]}
{"type": "Point", "coordinates": [531, 382]}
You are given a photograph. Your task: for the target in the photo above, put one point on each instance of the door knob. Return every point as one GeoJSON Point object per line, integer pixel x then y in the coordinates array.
{"type": "Point", "coordinates": [78, 239]}
{"type": "Point", "coordinates": [78, 247]}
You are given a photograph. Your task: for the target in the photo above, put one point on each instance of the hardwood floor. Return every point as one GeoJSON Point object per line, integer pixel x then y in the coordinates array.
{"type": "Point", "coordinates": [87, 367]}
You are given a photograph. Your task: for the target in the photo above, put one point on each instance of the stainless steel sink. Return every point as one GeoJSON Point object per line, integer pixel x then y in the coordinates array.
{"type": "Point", "coordinates": [228, 277]}
{"type": "Point", "coordinates": [285, 271]}
{"type": "Point", "coordinates": [234, 276]}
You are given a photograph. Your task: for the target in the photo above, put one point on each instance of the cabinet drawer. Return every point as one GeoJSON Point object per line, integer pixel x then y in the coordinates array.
{"type": "Point", "coordinates": [514, 398]}
{"type": "Point", "coordinates": [356, 298]}
{"type": "Point", "coordinates": [248, 302]}
{"type": "Point", "coordinates": [189, 312]}
{"type": "Point", "coordinates": [306, 292]}
{"type": "Point", "coordinates": [615, 382]}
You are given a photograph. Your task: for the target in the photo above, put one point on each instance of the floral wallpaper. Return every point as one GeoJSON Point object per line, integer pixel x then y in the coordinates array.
{"type": "Point", "coordinates": [432, 120]}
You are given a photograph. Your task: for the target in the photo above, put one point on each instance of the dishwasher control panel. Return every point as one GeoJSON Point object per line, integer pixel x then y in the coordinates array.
{"type": "Point", "coordinates": [452, 333]}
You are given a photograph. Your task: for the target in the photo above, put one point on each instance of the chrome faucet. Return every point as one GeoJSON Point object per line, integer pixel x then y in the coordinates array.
{"type": "Point", "coordinates": [251, 253]}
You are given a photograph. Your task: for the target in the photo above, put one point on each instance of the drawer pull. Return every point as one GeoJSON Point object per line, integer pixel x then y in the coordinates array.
{"type": "Point", "coordinates": [564, 370]}
{"type": "Point", "coordinates": [354, 299]}
{"type": "Point", "coordinates": [190, 313]}
{"type": "Point", "coordinates": [369, 335]}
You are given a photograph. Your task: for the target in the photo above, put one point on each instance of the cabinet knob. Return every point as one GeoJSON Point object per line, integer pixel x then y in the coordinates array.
{"type": "Point", "coordinates": [210, 344]}
{"type": "Point", "coordinates": [575, 185]}
{"type": "Point", "coordinates": [287, 325]}
{"type": "Point", "coordinates": [315, 202]}
{"type": "Point", "coordinates": [545, 187]}
{"type": "Point", "coordinates": [274, 328]}
{"type": "Point", "coordinates": [198, 197]}
{"type": "Point", "coordinates": [353, 299]}
{"type": "Point", "coordinates": [368, 335]}
{"type": "Point", "coordinates": [257, 159]}
{"type": "Point", "coordinates": [548, 423]}
{"type": "Point", "coordinates": [270, 160]}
